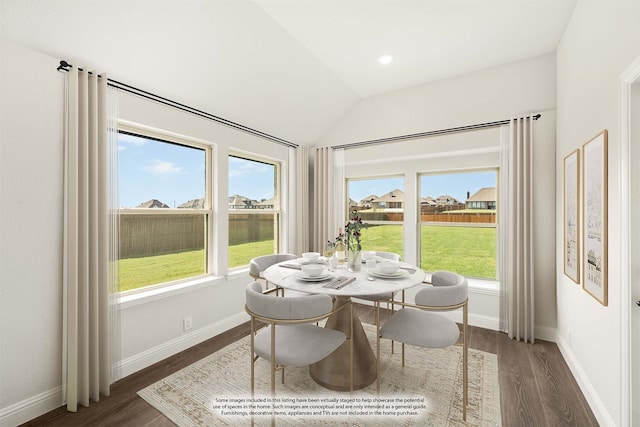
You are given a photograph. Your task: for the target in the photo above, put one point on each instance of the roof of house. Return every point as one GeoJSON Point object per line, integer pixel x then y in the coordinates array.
{"type": "Point", "coordinates": [193, 204]}
{"type": "Point", "coordinates": [486, 194]}
{"type": "Point", "coordinates": [392, 196]}
{"type": "Point", "coordinates": [151, 204]}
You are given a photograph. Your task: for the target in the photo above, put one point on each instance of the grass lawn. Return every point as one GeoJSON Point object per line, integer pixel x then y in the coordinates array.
{"type": "Point", "coordinates": [469, 251]}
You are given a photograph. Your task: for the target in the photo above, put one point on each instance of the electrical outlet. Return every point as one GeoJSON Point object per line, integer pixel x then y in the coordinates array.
{"type": "Point", "coordinates": [187, 323]}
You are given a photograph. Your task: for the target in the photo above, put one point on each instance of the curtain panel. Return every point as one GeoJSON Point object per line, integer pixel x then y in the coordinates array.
{"type": "Point", "coordinates": [516, 241]}
{"type": "Point", "coordinates": [329, 203]}
{"type": "Point", "coordinates": [299, 209]}
{"type": "Point", "coordinates": [87, 251]}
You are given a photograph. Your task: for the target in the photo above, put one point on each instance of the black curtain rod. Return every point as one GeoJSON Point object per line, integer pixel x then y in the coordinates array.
{"type": "Point", "coordinates": [429, 133]}
{"type": "Point", "coordinates": [65, 66]}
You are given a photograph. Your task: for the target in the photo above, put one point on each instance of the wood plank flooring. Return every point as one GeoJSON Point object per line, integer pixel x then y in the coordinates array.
{"type": "Point", "coordinates": [536, 386]}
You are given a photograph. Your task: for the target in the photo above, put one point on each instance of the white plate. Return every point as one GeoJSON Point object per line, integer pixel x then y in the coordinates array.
{"type": "Point", "coordinates": [399, 273]}
{"type": "Point", "coordinates": [319, 278]}
{"type": "Point", "coordinates": [321, 260]}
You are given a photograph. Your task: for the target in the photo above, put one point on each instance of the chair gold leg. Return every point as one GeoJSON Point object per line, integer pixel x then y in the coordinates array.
{"type": "Point", "coordinates": [377, 304]}
{"type": "Point", "coordinates": [351, 349]}
{"type": "Point", "coordinates": [252, 364]}
{"type": "Point", "coordinates": [465, 362]}
{"type": "Point", "coordinates": [273, 369]}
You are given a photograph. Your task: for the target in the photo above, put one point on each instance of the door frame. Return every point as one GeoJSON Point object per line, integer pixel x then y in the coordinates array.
{"type": "Point", "coordinates": [630, 76]}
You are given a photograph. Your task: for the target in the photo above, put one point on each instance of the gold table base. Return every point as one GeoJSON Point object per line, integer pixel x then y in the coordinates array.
{"type": "Point", "coordinates": [332, 372]}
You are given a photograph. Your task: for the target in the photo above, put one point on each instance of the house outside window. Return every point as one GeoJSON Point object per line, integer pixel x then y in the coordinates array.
{"type": "Point", "coordinates": [254, 208]}
{"type": "Point", "coordinates": [380, 203]}
{"type": "Point", "coordinates": [165, 210]}
{"type": "Point", "coordinates": [458, 223]}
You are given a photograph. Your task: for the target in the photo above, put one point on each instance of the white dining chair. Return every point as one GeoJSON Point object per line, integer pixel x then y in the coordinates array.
{"type": "Point", "coordinates": [418, 325]}
{"type": "Point", "coordinates": [259, 264]}
{"type": "Point", "coordinates": [291, 338]}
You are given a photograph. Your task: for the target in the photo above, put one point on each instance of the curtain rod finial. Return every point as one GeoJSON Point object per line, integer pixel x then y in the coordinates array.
{"type": "Point", "coordinates": [64, 65]}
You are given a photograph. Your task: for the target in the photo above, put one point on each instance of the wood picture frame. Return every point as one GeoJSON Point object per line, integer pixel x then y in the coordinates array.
{"type": "Point", "coordinates": [571, 216]}
{"type": "Point", "coordinates": [594, 217]}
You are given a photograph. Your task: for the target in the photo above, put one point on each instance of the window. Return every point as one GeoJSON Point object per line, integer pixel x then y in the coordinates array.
{"type": "Point", "coordinates": [380, 203]}
{"type": "Point", "coordinates": [458, 223]}
{"type": "Point", "coordinates": [254, 209]}
{"type": "Point", "coordinates": [164, 210]}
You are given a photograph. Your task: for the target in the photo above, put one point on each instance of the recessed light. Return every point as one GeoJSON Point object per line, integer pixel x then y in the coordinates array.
{"type": "Point", "coordinates": [385, 59]}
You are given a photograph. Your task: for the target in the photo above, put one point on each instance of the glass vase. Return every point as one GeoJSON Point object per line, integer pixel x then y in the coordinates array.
{"type": "Point", "coordinates": [354, 260]}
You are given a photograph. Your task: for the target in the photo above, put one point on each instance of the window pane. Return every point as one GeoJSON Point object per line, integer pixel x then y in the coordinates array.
{"type": "Point", "coordinates": [160, 248]}
{"type": "Point", "coordinates": [470, 251]}
{"type": "Point", "coordinates": [458, 217]}
{"type": "Point", "coordinates": [158, 244]}
{"type": "Point", "coordinates": [251, 235]}
{"type": "Point", "coordinates": [160, 174]}
{"type": "Point", "coordinates": [253, 206]}
{"type": "Point", "coordinates": [380, 203]}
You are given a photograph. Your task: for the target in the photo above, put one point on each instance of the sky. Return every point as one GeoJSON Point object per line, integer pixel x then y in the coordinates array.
{"type": "Point", "coordinates": [174, 174]}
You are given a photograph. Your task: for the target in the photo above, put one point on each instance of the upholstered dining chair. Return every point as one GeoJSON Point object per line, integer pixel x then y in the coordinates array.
{"type": "Point", "coordinates": [418, 325]}
{"type": "Point", "coordinates": [259, 264]}
{"type": "Point", "coordinates": [291, 337]}
{"type": "Point", "coordinates": [388, 255]}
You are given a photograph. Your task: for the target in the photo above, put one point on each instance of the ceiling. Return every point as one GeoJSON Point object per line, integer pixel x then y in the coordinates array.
{"type": "Point", "coordinates": [290, 68]}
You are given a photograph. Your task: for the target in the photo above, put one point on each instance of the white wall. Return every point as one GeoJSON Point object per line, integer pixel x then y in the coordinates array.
{"type": "Point", "coordinates": [601, 41]}
{"type": "Point", "coordinates": [31, 167]}
{"type": "Point", "coordinates": [490, 95]}
{"type": "Point", "coordinates": [31, 221]}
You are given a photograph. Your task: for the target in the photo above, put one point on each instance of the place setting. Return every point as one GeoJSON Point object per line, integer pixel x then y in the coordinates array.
{"type": "Point", "coordinates": [308, 258]}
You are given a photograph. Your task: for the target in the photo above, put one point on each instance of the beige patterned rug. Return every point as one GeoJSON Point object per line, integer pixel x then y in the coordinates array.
{"type": "Point", "coordinates": [215, 392]}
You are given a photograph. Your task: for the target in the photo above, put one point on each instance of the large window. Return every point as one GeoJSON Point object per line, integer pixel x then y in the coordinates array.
{"type": "Point", "coordinates": [458, 223]}
{"type": "Point", "coordinates": [165, 210]}
{"type": "Point", "coordinates": [254, 209]}
{"type": "Point", "coordinates": [380, 203]}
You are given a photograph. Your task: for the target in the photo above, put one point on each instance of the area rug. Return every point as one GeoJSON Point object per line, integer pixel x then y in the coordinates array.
{"type": "Point", "coordinates": [427, 392]}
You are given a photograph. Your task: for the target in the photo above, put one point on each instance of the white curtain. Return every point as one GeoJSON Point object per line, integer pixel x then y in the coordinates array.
{"type": "Point", "coordinates": [329, 194]}
{"type": "Point", "coordinates": [88, 245]}
{"type": "Point", "coordinates": [299, 209]}
{"type": "Point", "coordinates": [516, 241]}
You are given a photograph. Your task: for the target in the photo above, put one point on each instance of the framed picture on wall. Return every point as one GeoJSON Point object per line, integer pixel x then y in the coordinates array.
{"type": "Point", "coordinates": [571, 216]}
{"type": "Point", "coordinates": [594, 217]}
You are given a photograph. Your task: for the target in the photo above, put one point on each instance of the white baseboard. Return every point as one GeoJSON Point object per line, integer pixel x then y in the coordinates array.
{"type": "Point", "coordinates": [545, 333]}
{"type": "Point", "coordinates": [153, 355]}
{"type": "Point", "coordinates": [598, 408]}
{"type": "Point", "coordinates": [31, 408]}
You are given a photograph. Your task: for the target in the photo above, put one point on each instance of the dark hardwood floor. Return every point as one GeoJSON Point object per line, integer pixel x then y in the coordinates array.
{"type": "Point", "coordinates": [536, 386]}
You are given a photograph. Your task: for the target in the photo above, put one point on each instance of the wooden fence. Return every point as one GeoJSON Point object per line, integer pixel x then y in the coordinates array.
{"type": "Point", "coordinates": [157, 234]}
{"type": "Point", "coordinates": [451, 216]}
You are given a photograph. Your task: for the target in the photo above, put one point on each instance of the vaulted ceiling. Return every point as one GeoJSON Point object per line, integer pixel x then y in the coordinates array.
{"type": "Point", "coordinates": [290, 68]}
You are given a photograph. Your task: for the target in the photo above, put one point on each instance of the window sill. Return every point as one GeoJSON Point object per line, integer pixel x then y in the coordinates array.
{"type": "Point", "coordinates": [479, 286]}
{"type": "Point", "coordinates": [150, 295]}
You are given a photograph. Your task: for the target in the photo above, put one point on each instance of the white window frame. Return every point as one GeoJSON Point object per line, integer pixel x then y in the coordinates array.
{"type": "Point", "coordinates": [207, 212]}
{"type": "Point", "coordinates": [278, 201]}
{"type": "Point", "coordinates": [465, 224]}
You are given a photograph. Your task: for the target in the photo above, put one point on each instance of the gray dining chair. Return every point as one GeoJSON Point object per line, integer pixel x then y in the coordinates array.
{"type": "Point", "coordinates": [291, 338]}
{"type": "Point", "coordinates": [418, 325]}
{"type": "Point", "coordinates": [259, 264]}
{"type": "Point", "coordinates": [388, 255]}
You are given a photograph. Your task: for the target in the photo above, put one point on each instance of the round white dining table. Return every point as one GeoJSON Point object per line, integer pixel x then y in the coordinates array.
{"type": "Point", "coordinates": [332, 372]}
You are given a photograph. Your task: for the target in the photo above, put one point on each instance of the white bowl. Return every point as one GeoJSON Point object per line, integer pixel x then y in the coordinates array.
{"type": "Point", "coordinates": [310, 256]}
{"type": "Point", "coordinates": [312, 270]}
{"type": "Point", "coordinates": [368, 255]}
{"type": "Point", "coordinates": [388, 267]}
